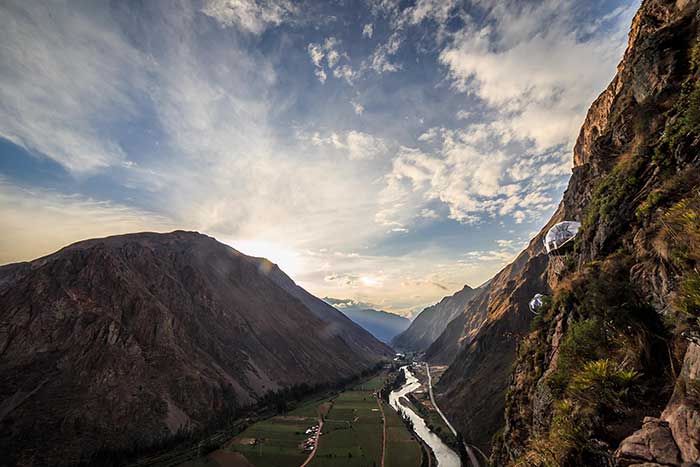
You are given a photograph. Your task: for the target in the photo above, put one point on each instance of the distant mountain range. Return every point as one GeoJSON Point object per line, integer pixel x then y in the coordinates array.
{"type": "Point", "coordinates": [432, 321]}
{"type": "Point", "coordinates": [381, 324]}
{"type": "Point", "coordinates": [123, 341]}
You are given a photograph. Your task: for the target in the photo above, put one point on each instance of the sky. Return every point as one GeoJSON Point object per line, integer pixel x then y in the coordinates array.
{"type": "Point", "coordinates": [383, 151]}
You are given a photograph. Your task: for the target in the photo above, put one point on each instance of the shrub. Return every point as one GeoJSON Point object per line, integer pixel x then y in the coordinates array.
{"type": "Point", "coordinates": [583, 342]}
{"type": "Point", "coordinates": [688, 300]}
{"type": "Point", "coordinates": [603, 384]}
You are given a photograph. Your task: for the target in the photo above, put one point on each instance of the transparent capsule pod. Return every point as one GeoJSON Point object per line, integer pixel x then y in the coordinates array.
{"type": "Point", "coordinates": [561, 235]}
{"type": "Point", "coordinates": [536, 303]}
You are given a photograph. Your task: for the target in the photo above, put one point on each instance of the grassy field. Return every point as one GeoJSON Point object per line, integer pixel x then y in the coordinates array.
{"type": "Point", "coordinates": [353, 434]}
{"type": "Point", "coordinates": [353, 430]}
{"type": "Point", "coordinates": [402, 449]}
{"type": "Point", "coordinates": [373, 384]}
{"type": "Point", "coordinates": [276, 441]}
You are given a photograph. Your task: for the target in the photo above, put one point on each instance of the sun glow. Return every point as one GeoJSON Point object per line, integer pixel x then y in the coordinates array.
{"type": "Point", "coordinates": [287, 259]}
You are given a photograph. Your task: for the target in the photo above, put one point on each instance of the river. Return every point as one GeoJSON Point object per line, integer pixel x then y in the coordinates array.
{"type": "Point", "coordinates": [445, 456]}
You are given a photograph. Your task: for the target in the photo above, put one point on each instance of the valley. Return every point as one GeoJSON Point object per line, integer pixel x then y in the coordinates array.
{"type": "Point", "coordinates": [356, 427]}
{"type": "Point", "coordinates": [577, 343]}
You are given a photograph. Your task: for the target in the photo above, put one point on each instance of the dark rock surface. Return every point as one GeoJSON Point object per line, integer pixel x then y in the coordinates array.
{"type": "Point", "coordinates": [432, 321]}
{"type": "Point", "coordinates": [123, 341]}
{"type": "Point", "coordinates": [492, 385]}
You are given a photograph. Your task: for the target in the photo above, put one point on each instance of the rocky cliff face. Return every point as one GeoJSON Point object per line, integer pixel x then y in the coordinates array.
{"type": "Point", "coordinates": [607, 374]}
{"type": "Point", "coordinates": [124, 341]}
{"type": "Point", "coordinates": [432, 321]}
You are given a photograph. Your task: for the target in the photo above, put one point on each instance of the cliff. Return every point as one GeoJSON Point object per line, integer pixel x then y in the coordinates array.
{"type": "Point", "coordinates": [607, 374]}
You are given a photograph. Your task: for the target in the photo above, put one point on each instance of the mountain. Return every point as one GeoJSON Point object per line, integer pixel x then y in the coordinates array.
{"type": "Point", "coordinates": [433, 320]}
{"type": "Point", "coordinates": [381, 324]}
{"type": "Point", "coordinates": [122, 341]}
{"type": "Point", "coordinates": [608, 372]}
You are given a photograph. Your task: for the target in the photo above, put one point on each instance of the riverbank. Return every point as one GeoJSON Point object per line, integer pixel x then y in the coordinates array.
{"type": "Point", "coordinates": [444, 454]}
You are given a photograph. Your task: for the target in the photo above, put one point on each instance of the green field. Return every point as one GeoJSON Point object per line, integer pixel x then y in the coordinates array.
{"type": "Point", "coordinates": [352, 435]}
{"type": "Point", "coordinates": [276, 441]}
{"type": "Point", "coordinates": [373, 384]}
{"type": "Point", "coordinates": [353, 430]}
{"type": "Point", "coordinates": [402, 449]}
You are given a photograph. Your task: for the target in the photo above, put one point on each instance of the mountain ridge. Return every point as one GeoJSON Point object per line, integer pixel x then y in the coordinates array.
{"type": "Point", "coordinates": [432, 321]}
{"type": "Point", "coordinates": [516, 386]}
{"type": "Point", "coordinates": [381, 324]}
{"type": "Point", "coordinates": [126, 340]}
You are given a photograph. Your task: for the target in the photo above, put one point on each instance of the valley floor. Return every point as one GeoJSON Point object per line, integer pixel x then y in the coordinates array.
{"type": "Point", "coordinates": [357, 429]}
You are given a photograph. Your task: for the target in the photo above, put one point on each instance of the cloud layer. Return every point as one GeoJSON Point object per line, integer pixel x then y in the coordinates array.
{"type": "Point", "coordinates": [375, 149]}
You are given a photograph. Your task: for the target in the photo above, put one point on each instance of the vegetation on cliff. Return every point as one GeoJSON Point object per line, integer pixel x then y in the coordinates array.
{"type": "Point", "coordinates": [607, 351]}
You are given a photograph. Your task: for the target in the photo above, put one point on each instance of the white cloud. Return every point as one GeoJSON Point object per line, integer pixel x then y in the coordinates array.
{"type": "Point", "coordinates": [473, 173]}
{"type": "Point", "coordinates": [429, 135]}
{"type": "Point", "coordinates": [316, 53]}
{"type": "Point", "coordinates": [438, 10]}
{"type": "Point", "coordinates": [332, 55]}
{"type": "Point", "coordinates": [356, 144]}
{"type": "Point", "coordinates": [345, 72]}
{"type": "Point", "coordinates": [363, 146]}
{"type": "Point", "coordinates": [252, 16]}
{"type": "Point", "coordinates": [380, 60]}
{"type": "Point", "coordinates": [357, 107]}
{"type": "Point", "coordinates": [368, 30]}
{"type": "Point", "coordinates": [56, 103]}
{"type": "Point", "coordinates": [321, 75]}
{"type": "Point", "coordinates": [540, 80]}
{"type": "Point", "coordinates": [223, 167]}
{"type": "Point", "coordinates": [429, 214]}
{"type": "Point", "coordinates": [463, 115]}
{"type": "Point", "coordinates": [330, 50]}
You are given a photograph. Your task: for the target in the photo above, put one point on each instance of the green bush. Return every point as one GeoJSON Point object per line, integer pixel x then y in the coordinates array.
{"type": "Point", "coordinates": [583, 342]}
{"type": "Point", "coordinates": [602, 384]}
{"type": "Point", "coordinates": [689, 296]}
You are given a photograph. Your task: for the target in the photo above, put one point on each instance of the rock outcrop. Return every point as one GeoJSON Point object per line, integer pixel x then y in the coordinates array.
{"type": "Point", "coordinates": [573, 386]}
{"type": "Point", "coordinates": [125, 341]}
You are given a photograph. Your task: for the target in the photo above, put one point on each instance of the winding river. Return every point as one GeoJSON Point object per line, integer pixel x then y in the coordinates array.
{"type": "Point", "coordinates": [445, 456]}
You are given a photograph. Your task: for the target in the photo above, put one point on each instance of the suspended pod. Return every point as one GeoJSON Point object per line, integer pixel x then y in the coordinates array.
{"type": "Point", "coordinates": [691, 336]}
{"type": "Point", "coordinates": [559, 238]}
{"type": "Point", "coordinates": [536, 303]}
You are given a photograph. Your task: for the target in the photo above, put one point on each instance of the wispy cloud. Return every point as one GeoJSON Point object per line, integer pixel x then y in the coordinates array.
{"type": "Point", "coordinates": [37, 222]}
{"type": "Point", "coordinates": [207, 116]}
{"type": "Point", "coordinates": [44, 107]}
{"type": "Point", "coordinates": [330, 51]}
{"type": "Point", "coordinates": [539, 79]}
{"type": "Point", "coordinates": [252, 16]}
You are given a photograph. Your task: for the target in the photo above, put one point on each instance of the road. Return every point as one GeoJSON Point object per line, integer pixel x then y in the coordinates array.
{"type": "Point", "coordinates": [318, 435]}
{"type": "Point", "coordinates": [381, 409]}
{"type": "Point", "coordinates": [470, 452]}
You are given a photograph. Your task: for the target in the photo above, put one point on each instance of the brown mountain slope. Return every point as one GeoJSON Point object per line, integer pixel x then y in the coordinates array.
{"type": "Point", "coordinates": [607, 350]}
{"type": "Point", "coordinates": [432, 321]}
{"type": "Point", "coordinates": [124, 340]}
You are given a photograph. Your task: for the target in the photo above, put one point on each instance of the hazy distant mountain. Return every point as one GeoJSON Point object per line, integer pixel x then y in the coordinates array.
{"type": "Point", "coordinates": [114, 342]}
{"type": "Point", "coordinates": [382, 324]}
{"type": "Point", "coordinates": [433, 320]}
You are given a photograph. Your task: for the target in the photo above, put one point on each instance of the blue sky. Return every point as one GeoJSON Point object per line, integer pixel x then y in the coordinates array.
{"type": "Point", "coordinates": [384, 151]}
